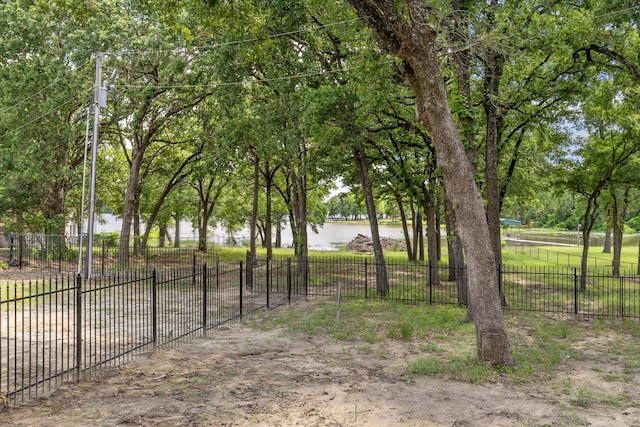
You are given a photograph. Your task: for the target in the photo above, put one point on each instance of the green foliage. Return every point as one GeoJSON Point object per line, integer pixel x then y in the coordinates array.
{"type": "Point", "coordinates": [109, 240]}
{"type": "Point", "coordinates": [298, 84]}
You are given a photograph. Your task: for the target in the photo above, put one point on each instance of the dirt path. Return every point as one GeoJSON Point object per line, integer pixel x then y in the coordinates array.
{"type": "Point", "coordinates": [242, 376]}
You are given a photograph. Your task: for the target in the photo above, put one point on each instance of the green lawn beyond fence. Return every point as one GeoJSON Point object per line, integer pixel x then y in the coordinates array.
{"type": "Point", "coordinates": [65, 328]}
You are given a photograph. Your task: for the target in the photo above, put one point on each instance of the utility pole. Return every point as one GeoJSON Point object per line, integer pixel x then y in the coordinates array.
{"type": "Point", "coordinates": [84, 182]}
{"type": "Point", "coordinates": [97, 101]}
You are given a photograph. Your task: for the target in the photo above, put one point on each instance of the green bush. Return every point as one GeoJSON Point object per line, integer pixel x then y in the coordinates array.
{"type": "Point", "coordinates": [109, 240]}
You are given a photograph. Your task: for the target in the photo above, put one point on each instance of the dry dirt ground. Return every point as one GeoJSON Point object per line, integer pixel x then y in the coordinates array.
{"type": "Point", "coordinates": [244, 376]}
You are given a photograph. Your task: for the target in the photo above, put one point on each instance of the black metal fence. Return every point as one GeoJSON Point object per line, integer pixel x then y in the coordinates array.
{"type": "Point", "coordinates": [550, 290]}
{"type": "Point", "coordinates": [557, 256]}
{"type": "Point", "coordinates": [56, 253]}
{"type": "Point", "coordinates": [66, 328]}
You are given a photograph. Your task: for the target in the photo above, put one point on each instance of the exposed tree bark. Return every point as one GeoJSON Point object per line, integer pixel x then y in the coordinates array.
{"type": "Point", "coordinates": [286, 194]}
{"type": "Point", "coordinates": [420, 234]}
{"type": "Point", "coordinates": [254, 207]}
{"type": "Point", "coordinates": [432, 231]}
{"type": "Point", "coordinates": [162, 235]}
{"type": "Point", "coordinates": [137, 244]}
{"type": "Point", "coordinates": [301, 244]}
{"type": "Point", "coordinates": [590, 215]}
{"type": "Point", "coordinates": [176, 240]}
{"type": "Point", "coordinates": [178, 176]}
{"type": "Point", "coordinates": [405, 229]}
{"type": "Point", "coordinates": [414, 41]}
{"type": "Point", "coordinates": [606, 247]}
{"type": "Point", "coordinates": [278, 242]}
{"type": "Point", "coordinates": [415, 220]}
{"type": "Point", "coordinates": [359, 156]}
{"type": "Point", "coordinates": [458, 36]}
{"type": "Point", "coordinates": [494, 65]}
{"type": "Point", "coordinates": [148, 122]}
{"type": "Point", "coordinates": [269, 176]}
{"type": "Point", "coordinates": [438, 235]}
{"type": "Point", "coordinates": [268, 225]}
{"type": "Point", "coordinates": [131, 196]}
{"type": "Point", "coordinates": [209, 191]}
{"type": "Point", "coordinates": [619, 214]}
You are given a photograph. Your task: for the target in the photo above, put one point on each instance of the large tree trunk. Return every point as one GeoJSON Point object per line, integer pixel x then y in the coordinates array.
{"type": "Point", "coordinates": [55, 210]}
{"type": "Point", "coordinates": [493, 73]}
{"type": "Point", "coordinates": [415, 43]}
{"type": "Point", "coordinates": [130, 204]}
{"type": "Point", "coordinates": [415, 220]}
{"type": "Point", "coordinates": [590, 216]}
{"type": "Point", "coordinates": [405, 229]}
{"type": "Point", "coordinates": [162, 235]}
{"type": "Point", "coordinates": [268, 178]}
{"type": "Point", "coordinates": [606, 248]}
{"type": "Point", "coordinates": [176, 239]}
{"type": "Point", "coordinates": [254, 209]}
{"type": "Point", "coordinates": [359, 156]}
{"type": "Point", "coordinates": [301, 242]}
{"type": "Point", "coordinates": [203, 231]}
{"type": "Point", "coordinates": [278, 242]}
{"type": "Point", "coordinates": [456, 257]}
{"type": "Point", "coordinates": [619, 214]}
{"type": "Point", "coordinates": [137, 243]}
{"type": "Point", "coordinates": [208, 194]}
{"type": "Point", "coordinates": [432, 232]}
{"type": "Point", "coordinates": [421, 237]}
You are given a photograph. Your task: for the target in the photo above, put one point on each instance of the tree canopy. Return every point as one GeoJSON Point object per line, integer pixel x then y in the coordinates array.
{"type": "Point", "coordinates": [247, 113]}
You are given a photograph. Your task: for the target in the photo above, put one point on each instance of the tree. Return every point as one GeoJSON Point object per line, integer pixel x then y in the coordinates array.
{"type": "Point", "coordinates": [45, 52]}
{"type": "Point", "coordinates": [153, 90]}
{"type": "Point", "coordinates": [410, 34]}
{"type": "Point", "coordinates": [606, 157]}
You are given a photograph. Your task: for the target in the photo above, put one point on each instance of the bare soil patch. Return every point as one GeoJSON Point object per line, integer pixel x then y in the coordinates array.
{"type": "Point", "coordinates": [244, 376]}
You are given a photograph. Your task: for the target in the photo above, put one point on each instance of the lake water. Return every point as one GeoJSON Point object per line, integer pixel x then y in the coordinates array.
{"type": "Point", "coordinates": [334, 235]}
{"type": "Point", "coordinates": [331, 236]}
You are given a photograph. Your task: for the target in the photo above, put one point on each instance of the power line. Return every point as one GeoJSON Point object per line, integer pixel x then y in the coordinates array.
{"type": "Point", "coordinates": [615, 12]}
{"type": "Point", "coordinates": [58, 107]}
{"type": "Point", "coordinates": [40, 91]}
{"type": "Point", "coordinates": [244, 82]}
{"type": "Point", "coordinates": [231, 43]}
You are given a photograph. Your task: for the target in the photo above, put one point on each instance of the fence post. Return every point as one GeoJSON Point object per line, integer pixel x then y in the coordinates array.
{"type": "Point", "coordinates": [154, 308]}
{"type": "Point", "coordinates": [575, 291]}
{"type": "Point", "coordinates": [289, 280]}
{"type": "Point", "coordinates": [430, 285]}
{"type": "Point", "coordinates": [366, 279]}
{"type": "Point", "coordinates": [20, 249]}
{"type": "Point", "coordinates": [622, 296]}
{"type": "Point", "coordinates": [249, 270]}
{"type": "Point", "coordinates": [305, 262]}
{"type": "Point", "coordinates": [241, 286]}
{"type": "Point", "coordinates": [193, 281]}
{"type": "Point", "coordinates": [204, 299]}
{"type": "Point", "coordinates": [268, 280]}
{"type": "Point", "coordinates": [11, 244]}
{"type": "Point", "coordinates": [78, 326]}
{"type": "Point", "coordinates": [60, 253]}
